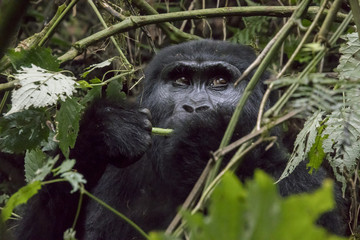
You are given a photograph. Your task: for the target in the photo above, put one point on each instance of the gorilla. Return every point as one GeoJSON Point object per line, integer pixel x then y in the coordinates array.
{"type": "Point", "coordinates": [189, 88]}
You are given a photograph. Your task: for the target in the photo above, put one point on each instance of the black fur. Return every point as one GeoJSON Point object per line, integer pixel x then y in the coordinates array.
{"type": "Point", "coordinates": [147, 177]}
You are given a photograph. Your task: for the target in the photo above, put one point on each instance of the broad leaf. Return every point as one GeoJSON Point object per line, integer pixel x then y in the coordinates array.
{"type": "Point", "coordinates": [24, 130]}
{"type": "Point", "coordinates": [303, 144]}
{"type": "Point", "coordinates": [38, 56]}
{"type": "Point", "coordinates": [20, 197]}
{"type": "Point", "coordinates": [40, 88]}
{"type": "Point", "coordinates": [68, 118]}
{"type": "Point", "coordinates": [34, 160]}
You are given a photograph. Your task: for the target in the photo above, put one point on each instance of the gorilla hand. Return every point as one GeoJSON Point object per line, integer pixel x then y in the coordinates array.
{"type": "Point", "coordinates": [117, 132]}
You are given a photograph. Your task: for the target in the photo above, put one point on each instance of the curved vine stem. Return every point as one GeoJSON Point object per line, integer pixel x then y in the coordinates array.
{"type": "Point", "coordinates": [126, 219]}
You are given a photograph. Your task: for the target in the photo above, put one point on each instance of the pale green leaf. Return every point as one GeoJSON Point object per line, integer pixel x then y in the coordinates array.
{"type": "Point", "coordinates": [40, 88]}
{"type": "Point", "coordinates": [20, 197]}
{"type": "Point", "coordinates": [68, 118]}
{"type": "Point", "coordinates": [34, 160]}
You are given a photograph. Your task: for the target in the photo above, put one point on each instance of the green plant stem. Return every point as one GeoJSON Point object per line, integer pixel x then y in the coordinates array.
{"type": "Point", "coordinates": [273, 111]}
{"type": "Point", "coordinates": [54, 181]}
{"type": "Point", "coordinates": [38, 39]}
{"type": "Point", "coordinates": [330, 17]}
{"type": "Point", "coordinates": [175, 34]}
{"type": "Point", "coordinates": [304, 39]}
{"type": "Point", "coordinates": [78, 207]}
{"type": "Point", "coordinates": [162, 131]}
{"type": "Point", "coordinates": [136, 227]}
{"type": "Point", "coordinates": [355, 8]}
{"type": "Point", "coordinates": [277, 42]}
{"type": "Point", "coordinates": [57, 21]}
{"type": "Point", "coordinates": [134, 22]}
{"type": "Point", "coordinates": [219, 153]}
{"type": "Point", "coordinates": [122, 56]}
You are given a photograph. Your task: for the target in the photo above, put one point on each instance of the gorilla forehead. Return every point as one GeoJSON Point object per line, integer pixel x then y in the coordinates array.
{"type": "Point", "coordinates": [201, 51]}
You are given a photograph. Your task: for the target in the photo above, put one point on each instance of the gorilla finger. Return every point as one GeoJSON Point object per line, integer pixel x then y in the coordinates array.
{"type": "Point", "coordinates": [146, 112]}
{"type": "Point", "coordinates": [147, 125]}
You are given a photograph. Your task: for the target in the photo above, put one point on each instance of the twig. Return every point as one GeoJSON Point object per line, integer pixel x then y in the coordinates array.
{"type": "Point", "coordinates": [355, 8]}
{"type": "Point", "coordinates": [175, 34]}
{"type": "Point", "coordinates": [303, 40]}
{"type": "Point", "coordinates": [134, 22]}
{"type": "Point", "coordinates": [330, 17]}
{"type": "Point", "coordinates": [122, 56]}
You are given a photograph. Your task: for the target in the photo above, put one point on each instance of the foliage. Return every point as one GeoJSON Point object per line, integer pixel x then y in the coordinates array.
{"type": "Point", "coordinates": [40, 88]}
{"type": "Point", "coordinates": [333, 133]}
{"type": "Point", "coordinates": [68, 118]}
{"type": "Point", "coordinates": [24, 130]}
{"type": "Point", "coordinates": [46, 110]}
{"type": "Point", "coordinates": [256, 211]}
{"type": "Point", "coordinates": [20, 197]}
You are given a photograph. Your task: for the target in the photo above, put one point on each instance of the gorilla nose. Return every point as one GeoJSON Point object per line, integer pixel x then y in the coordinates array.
{"type": "Point", "coordinates": [200, 109]}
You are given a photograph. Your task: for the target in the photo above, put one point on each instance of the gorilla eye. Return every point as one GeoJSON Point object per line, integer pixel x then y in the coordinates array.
{"type": "Point", "coordinates": [219, 82]}
{"type": "Point", "coordinates": [182, 81]}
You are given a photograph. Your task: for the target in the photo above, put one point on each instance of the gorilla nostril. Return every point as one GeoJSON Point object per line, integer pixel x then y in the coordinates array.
{"type": "Point", "coordinates": [188, 108]}
{"type": "Point", "coordinates": [202, 109]}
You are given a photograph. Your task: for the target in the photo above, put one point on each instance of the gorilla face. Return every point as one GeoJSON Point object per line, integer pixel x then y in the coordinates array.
{"type": "Point", "coordinates": [191, 79]}
{"type": "Point", "coordinates": [197, 87]}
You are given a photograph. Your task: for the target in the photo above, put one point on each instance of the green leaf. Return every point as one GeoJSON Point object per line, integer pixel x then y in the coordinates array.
{"type": "Point", "coordinates": [258, 212]}
{"type": "Point", "coordinates": [349, 63]}
{"type": "Point", "coordinates": [300, 213]}
{"type": "Point", "coordinates": [38, 56]}
{"type": "Point", "coordinates": [34, 160]}
{"type": "Point", "coordinates": [69, 234]}
{"type": "Point", "coordinates": [303, 143]}
{"type": "Point", "coordinates": [94, 93]}
{"type": "Point", "coordinates": [44, 170]}
{"type": "Point", "coordinates": [342, 144]}
{"type": "Point", "coordinates": [40, 88]}
{"type": "Point", "coordinates": [65, 167]}
{"type": "Point", "coordinates": [114, 91]}
{"type": "Point", "coordinates": [262, 220]}
{"type": "Point", "coordinates": [20, 197]}
{"type": "Point", "coordinates": [316, 153]}
{"type": "Point", "coordinates": [98, 65]}
{"type": "Point", "coordinates": [225, 220]}
{"type": "Point", "coordinates": [75, 179]}
{"type": "Point", "coordinates": [24, 130]}
{"type": "Point", "coordinates": [68, 118]}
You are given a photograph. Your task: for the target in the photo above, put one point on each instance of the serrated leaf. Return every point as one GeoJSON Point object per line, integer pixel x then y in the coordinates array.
{"type": "Point", "coordinates": [316, 153]}
{"type": "Point", "coordinates": [34, 160]}
{"type": "Point", "coordinates": [40, 88]}
{"type": "Point", "coordinates": [44, 170]}
{"type": "Point", "coordinates": [94, 93]}
{"type": "Point", "coordinates": [20, 197]}
{"type": "Point", "coordinates": [114, 90]}
{"type": "Point", "coordinates": [300, 213]}
{"type": "Point", "coordinates": [257, 212]}
{"type": "Point", "coordinates": [75, 179]}
{"type": "Point", "coordinates": [98, 65]}
{"type": "Point", "coordinates": [349, 63]}
{"type": "Point", "coordinates": [24, 130]}
{"type": "Point", "coordinates": [65, 166]}
{"type": "Point", "coordinates": [303, 143]}
{"type": "Point", "coordinates": [68, 118]}
{"type": "Point", "coordinates": [342, 144]}
{"type": "Point", "coordinates": [38, 56]}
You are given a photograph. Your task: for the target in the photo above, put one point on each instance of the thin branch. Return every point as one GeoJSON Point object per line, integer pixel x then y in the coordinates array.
{"type": "Point", "coordinates": [175, 34]}
{"type": "Point", "coordinates": [330, 17]}
{"type": "Point", "coordinates": [134, 22]}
